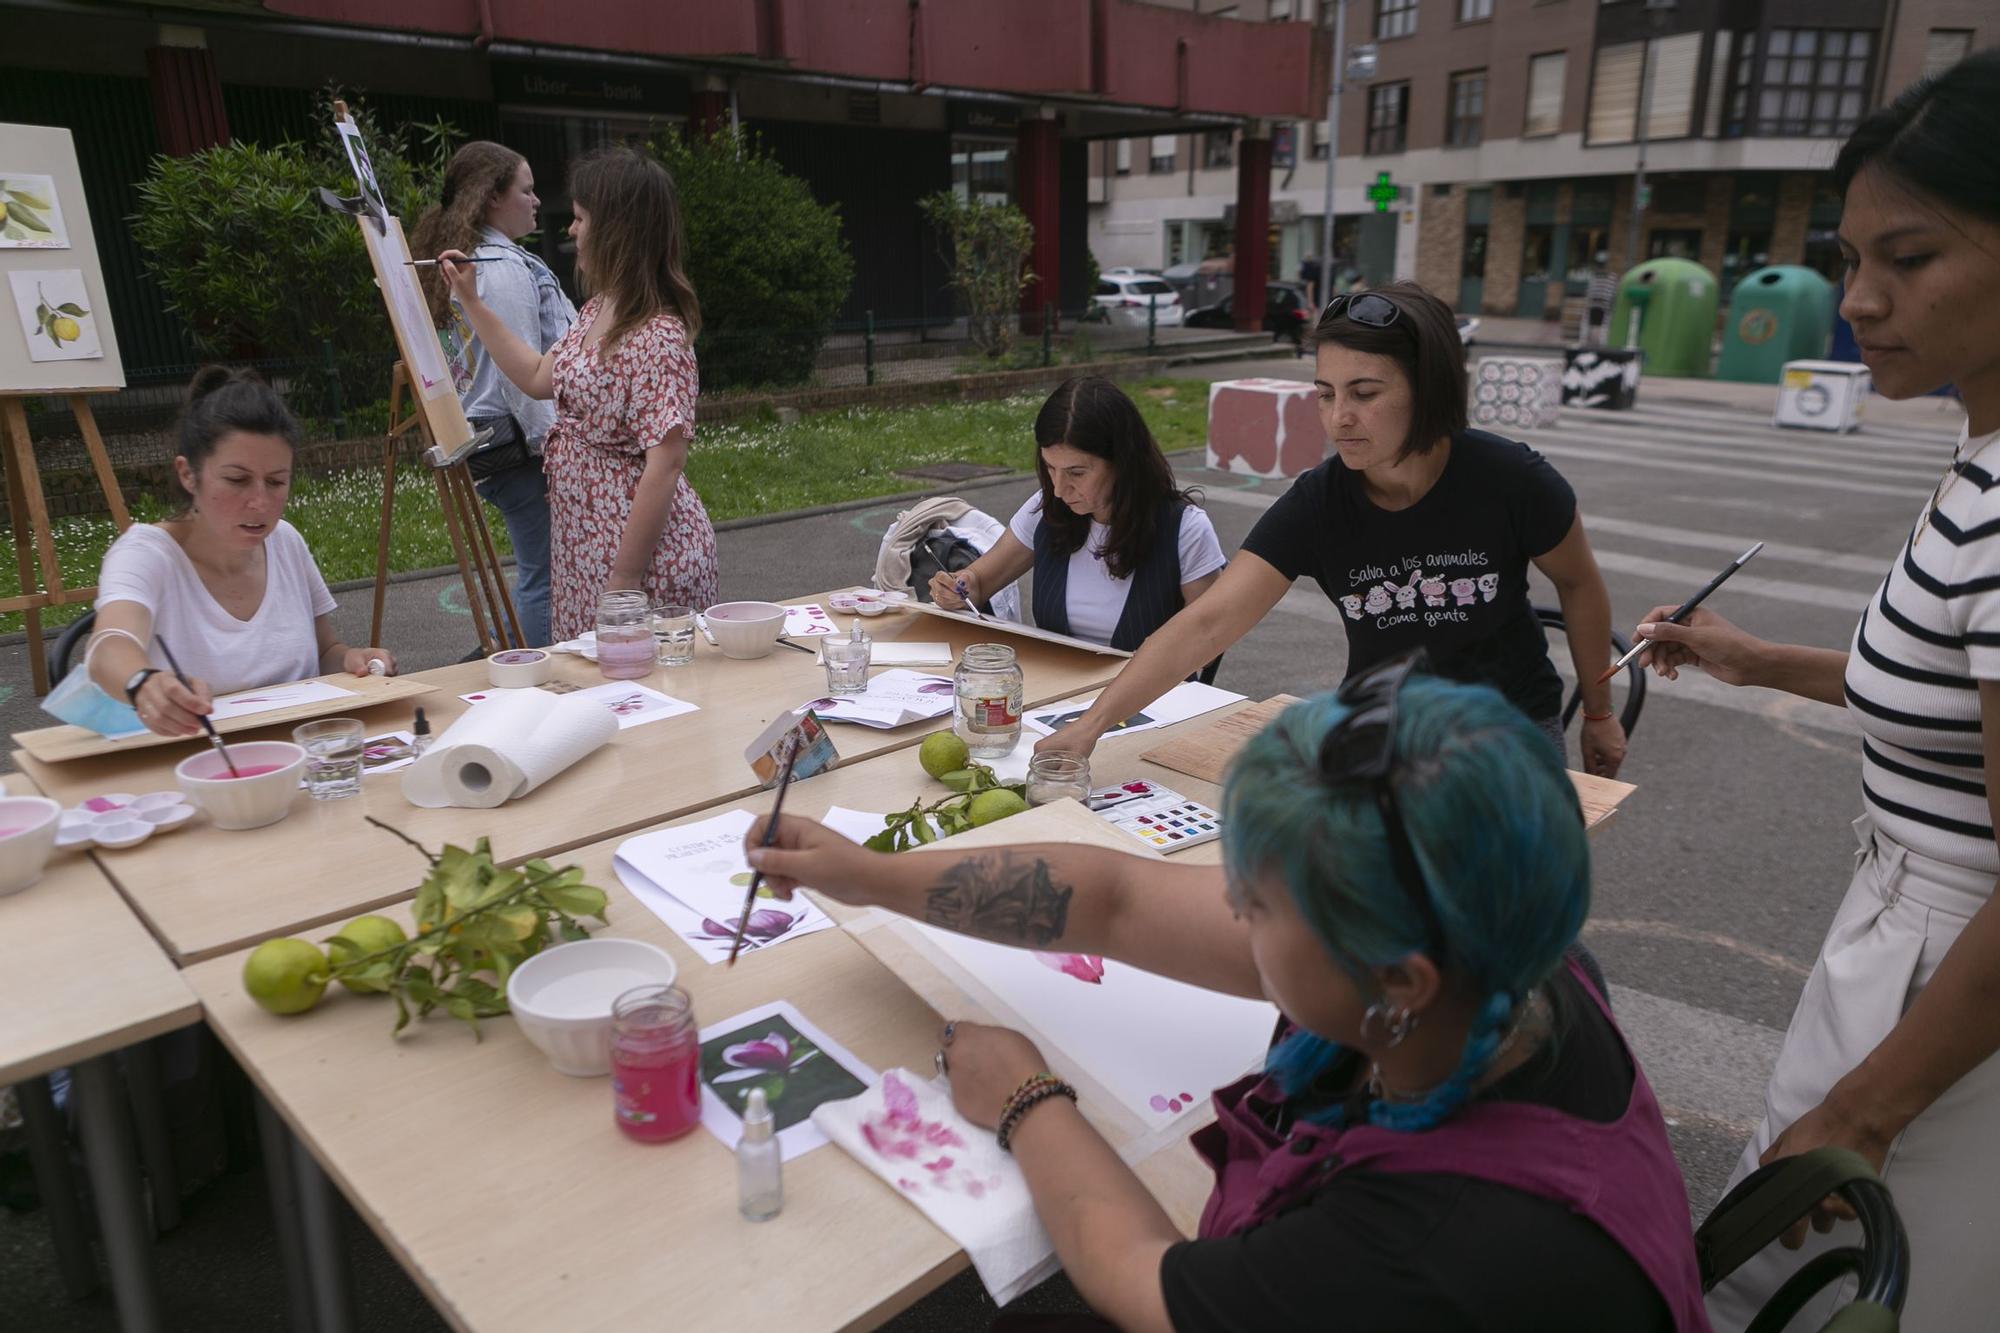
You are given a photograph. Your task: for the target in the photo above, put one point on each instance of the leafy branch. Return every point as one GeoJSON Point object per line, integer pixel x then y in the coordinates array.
{"type": "Point", "coordinates": [953, 814]}
{"type": "Point", "coordinates": [473, 917]}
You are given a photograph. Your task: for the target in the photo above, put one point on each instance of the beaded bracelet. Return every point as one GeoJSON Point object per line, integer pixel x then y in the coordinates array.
{"type": "Point", "coordinates": [1606, 716]}
{"type": "Point", "coordinates": [1036, 1090]}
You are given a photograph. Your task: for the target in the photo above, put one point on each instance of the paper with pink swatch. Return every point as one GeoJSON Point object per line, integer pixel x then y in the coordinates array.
{"type": "Point", "coordinates": [693, 877]}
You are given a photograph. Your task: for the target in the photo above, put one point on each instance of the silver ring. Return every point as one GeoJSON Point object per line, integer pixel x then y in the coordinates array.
{"type": "Point", "coordinates": [942, 1066]}
{"type": "Point", "coordinates": [950, 1031]}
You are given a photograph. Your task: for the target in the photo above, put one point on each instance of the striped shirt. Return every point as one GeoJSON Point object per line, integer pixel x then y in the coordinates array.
{"type": "Point", "coordinates": [1928, 637]}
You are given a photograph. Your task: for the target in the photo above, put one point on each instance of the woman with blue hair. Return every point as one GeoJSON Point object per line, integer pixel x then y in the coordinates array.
{"type": "Point", "coordinates": [1448, 1132]}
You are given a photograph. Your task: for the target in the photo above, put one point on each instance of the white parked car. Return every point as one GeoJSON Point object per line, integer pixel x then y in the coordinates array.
{"type": "Point", "coordinates": [1124, 298]}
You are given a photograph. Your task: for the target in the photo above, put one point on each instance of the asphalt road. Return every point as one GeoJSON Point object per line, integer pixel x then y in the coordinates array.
{"type": "Point", "coordinates": [1713, 887]}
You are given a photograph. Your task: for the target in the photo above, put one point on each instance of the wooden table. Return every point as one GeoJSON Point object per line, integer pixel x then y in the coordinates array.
{"type": "Point", "coordinates": [507, 1193]}
{"type": "Point", "coordinates": [79, 980]}
{"type": "Point", "coordinates": [205, 892]}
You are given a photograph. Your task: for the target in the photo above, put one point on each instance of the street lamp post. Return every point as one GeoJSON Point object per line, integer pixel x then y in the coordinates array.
{"type": "Point", "coordinates": [1333, 90]}
{"type": "Point", "coordinates": [1656, 15]}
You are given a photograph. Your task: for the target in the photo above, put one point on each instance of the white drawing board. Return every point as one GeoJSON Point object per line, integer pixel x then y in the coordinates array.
{"type": "Point", "coordinates": [38, 165]}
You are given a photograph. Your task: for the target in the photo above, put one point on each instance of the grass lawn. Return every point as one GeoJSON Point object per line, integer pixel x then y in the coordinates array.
{"type": "Point", "coordinates": [740, 469]}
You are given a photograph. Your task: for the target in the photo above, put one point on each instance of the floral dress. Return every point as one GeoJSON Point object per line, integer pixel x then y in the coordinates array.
{"type": "Point", "coordinates": [609, 412]}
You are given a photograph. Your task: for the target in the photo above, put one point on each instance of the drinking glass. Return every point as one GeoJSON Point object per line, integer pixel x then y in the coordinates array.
{"type": "Point", "coordinates": [1054, 776]}
{"type": "Point", "coordinates": [846, 657]}
{"type": "Point", "coordinates": [333, 756]}
{"type": "Point", "coordinates": [673, 634]}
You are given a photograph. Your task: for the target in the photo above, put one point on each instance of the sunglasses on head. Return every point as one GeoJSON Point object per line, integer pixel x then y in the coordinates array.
{"type": "Point", "coordinates": [1369, 308]}
{"type": "Point", "coordinates": [1361, 747]}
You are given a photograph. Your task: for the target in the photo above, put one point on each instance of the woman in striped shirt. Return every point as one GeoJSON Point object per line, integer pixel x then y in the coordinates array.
{"type": "Point", "coordinates": [1892, 1051]}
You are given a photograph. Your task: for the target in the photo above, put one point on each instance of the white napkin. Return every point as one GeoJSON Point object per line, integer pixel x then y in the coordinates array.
{"type": "Point", "coordinates": [906, 1131]}
{"type": "Point", "coordinates": [507, 747]}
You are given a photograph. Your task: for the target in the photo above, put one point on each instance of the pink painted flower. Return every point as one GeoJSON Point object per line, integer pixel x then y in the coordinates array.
{"type": "Point", "coordinates": [1086, 967]}
{"type": "Point", "coordinates": [771, 1053]}
{"type": "Point", "coordinates": [766, 924]}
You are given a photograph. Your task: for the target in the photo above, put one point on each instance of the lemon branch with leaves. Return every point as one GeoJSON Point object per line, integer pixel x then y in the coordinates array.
{"type": "Point", "coordinates": [473, 917]}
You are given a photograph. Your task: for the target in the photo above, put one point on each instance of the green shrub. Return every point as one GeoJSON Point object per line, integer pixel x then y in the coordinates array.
{"type": "Point", "coordinates": [767, 260]}
{"type": "Point", "coordinates": [987, 247]}
{"type": "Point", "coordinates": [246, 255]}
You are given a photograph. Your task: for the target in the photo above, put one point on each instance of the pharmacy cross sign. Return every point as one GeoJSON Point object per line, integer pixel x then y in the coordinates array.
{"type": "Point", "coordinates": [1383, 192]}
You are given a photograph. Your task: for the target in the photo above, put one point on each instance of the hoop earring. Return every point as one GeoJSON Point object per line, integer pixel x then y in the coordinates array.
{"type": "Point", "coordinates": [1397, 1023]}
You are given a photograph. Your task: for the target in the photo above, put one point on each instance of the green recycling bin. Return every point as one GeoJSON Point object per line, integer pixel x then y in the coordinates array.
{"type": "Point", "coordinates": [1777, 314]}
{"type": "Point", "coordinates": [1671, 305]}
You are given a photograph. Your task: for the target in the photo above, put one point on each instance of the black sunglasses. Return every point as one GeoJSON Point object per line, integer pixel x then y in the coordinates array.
{"type": "Point", "coordinates": [1369, 308]}
{"type": "Point", "coordinates": [1361, 747]}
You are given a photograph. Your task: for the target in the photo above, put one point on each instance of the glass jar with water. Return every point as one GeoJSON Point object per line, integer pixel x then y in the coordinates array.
{"type": "Point", "coordinates": [988, 687]}
{"type": "Point", "coordinates": [624, 635]}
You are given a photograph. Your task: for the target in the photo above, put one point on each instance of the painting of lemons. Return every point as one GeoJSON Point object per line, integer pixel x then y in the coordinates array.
{"type": "Point", "coordinates": [56, 314]}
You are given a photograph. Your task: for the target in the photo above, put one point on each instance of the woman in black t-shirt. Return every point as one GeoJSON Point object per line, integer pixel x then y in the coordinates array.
{"type": "Point", "coordinates": [1419, 530]}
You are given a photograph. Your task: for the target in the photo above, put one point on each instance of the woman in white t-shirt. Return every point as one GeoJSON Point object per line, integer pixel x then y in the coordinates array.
{"type": "Point", "coordinates": [1115, 547]}
{"type": "Point", "coordinates": [226, 583]}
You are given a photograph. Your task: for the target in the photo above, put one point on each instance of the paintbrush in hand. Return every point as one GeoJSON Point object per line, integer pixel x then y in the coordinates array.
{"type": "Point", "coordinates": [206, 725]}
{"type": "Point", "coordinates": [770, 836]}
{"type": "Point", "coordinates": [1679, 615]}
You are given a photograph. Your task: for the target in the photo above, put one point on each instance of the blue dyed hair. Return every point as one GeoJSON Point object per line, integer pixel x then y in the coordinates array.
{"type": "Point", "coordinates": [1495, 824]}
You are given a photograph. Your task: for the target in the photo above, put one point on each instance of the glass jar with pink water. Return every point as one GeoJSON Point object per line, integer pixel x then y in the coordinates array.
{"type": "Point", "coordinates": [655, 1063]}
{"type": "Point", "coordinates": [624, 635]}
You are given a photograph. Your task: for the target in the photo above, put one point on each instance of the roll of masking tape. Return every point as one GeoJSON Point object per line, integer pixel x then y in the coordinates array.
{"type": "Point", "coordinates": [519, 667]}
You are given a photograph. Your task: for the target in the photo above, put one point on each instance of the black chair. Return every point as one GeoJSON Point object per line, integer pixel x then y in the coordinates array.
{"type": "Point", "coordinates": [1635, 675]}
{"type": "Point", "coordinates": [64, 648]}
{"type": "Point", "coordinates": [1773, 1197]}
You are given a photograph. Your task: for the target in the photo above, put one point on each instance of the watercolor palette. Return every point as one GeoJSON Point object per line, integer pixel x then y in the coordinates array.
{"type": "Point", "coordinates": [1158, 816]}
{"type": "Point", "coordinates": [119, 819]}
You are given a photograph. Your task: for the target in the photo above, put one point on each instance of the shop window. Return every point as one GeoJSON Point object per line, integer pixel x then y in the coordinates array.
{"type": "Point", "coordinates": [1218, 150]}
{"type": "Point", "coordinates": [1473, 263]}
{"type": "Point", "coordinates": [1746, 252]}
{"type": "Point", "coordinates": [1674, 243]}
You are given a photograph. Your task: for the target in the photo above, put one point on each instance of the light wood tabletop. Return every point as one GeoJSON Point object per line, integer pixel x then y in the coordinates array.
{"type": "Point", "coordinates": [576, 1227]}
{"type": "Point", "coordinates": [206, 892]}
{"type": "Point", "coordinates": [79, 976]}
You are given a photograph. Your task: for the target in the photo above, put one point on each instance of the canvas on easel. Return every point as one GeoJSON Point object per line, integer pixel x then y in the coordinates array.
{"type": "Point", "coordinates": [432, 408]}
{"type": "Point", "coordinates": [58, 342]}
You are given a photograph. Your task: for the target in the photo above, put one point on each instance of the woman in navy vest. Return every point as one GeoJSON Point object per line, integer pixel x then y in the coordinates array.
{"type": "Point", "coordinates": [1115, 548]}
{"type": "Point", "coordinates": [1448, 1132]}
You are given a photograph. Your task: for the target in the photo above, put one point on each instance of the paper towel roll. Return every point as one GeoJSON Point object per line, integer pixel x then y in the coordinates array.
{"type": "Point", "coordinates": [506, 747]}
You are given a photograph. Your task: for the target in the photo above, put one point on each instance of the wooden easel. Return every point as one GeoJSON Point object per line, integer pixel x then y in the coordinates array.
{"type": "Point", "coordinates": [28, 513]}
{"type": "Point", "coordinates": [486, 593]}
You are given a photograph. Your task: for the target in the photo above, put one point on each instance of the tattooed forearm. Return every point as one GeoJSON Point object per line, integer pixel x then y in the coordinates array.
{"type": "Point", "coordinates": [998, 896]}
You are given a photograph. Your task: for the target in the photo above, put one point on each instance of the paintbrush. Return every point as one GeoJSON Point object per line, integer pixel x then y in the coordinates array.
{"type": "Point", "coordinates": [432, 263]}
{"type": "Point", "coordinates": [965, 595]}
{"type": "Point", "coordinates": [1682, 611]}
{"type": "Point", "coordinates": [790, 642]}
{"type": "Point", "coordinates": [206, 725]}
{"type": "Point", "coordinates": [792, 747]}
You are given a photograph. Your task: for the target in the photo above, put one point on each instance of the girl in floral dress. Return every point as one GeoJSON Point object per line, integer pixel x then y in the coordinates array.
{"type": "Point", "coordinates": [621, 511]}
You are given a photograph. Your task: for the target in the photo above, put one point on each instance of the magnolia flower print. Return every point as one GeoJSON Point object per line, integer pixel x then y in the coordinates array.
{"type": "Point", "coordinates": [771, 1053]}
{"type": "Point", "coordinates": [766, 924]}
{"type": "Point", "coordinates": [1085, 967]}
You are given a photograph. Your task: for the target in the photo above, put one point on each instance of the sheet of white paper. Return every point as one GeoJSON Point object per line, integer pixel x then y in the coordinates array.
{"type": "Point", "coordinates": [632, 704]}
{"type": "Point", "coordinates": [1188, 699]}
{"type": "Point", "coordinates": [723, 1122]}
{"type": "Point", "coordinates": [894, 653]}
{"type": "Point", "coordinates": [894, 699]}
{"type": "Point", "coordinates": [506, 747]}
{"type": "Point", "coordinates": [693, 877]}
{"type": "Point", "coordinates": [245, 702]}
{"type": "Point", "coordinates": [853, 825]}
{"type": "Point", "coordinates": [1012, 627]}
{"type": "Point", "coordinates": [810, 619]}
{"type": "Point", "coordinates": [1154, 1044]}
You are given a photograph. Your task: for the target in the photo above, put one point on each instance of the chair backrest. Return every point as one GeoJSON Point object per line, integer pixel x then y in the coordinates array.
{"type": "Point", "coordinates": [1772, 1198]}
{"type": "Point", "coordinates": [64, 648]}
{"type": "Point", "coordinates": [1635, 675]}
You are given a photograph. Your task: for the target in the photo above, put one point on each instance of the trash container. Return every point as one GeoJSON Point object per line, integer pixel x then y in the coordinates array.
{"type": "Point", "coordinates": [1671, 302]}
{"type": "Point", "coordinates": [1822, 395]}
{"type": "Point", "coordinates": [1778, 314]}
{"type": "Point", "coordinates": [1602, 377]}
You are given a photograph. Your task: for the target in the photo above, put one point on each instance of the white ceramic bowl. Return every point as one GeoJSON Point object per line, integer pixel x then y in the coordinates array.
{"type": "Point", "coordinates": [24, 851]}
{"type": "Point", "coordinates": [746, 629]}
{"type": "Point", "coordinates": [249, 802]}
{"type": "Point", "coordinates": [562, 997]}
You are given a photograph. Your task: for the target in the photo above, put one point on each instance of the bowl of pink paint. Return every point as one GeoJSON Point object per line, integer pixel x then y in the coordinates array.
{"type": "Point", "coordinates": [261, 790]}
{"type": "Point", "coordinates": [27, 836]}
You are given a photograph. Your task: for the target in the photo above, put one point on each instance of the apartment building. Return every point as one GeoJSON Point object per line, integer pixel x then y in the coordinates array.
{"type": "Point", "coordinates": [1508, 133]}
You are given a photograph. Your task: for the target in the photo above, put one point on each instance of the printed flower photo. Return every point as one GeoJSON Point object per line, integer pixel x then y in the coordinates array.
{"type": "Point", "coordinates": [770, 1053]}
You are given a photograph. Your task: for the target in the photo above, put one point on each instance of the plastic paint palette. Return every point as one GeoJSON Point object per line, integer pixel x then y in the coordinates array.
{"type": "Point", "coordinates": [119, 819]}
{"type": "Point", "coordinates": [1158, 816]}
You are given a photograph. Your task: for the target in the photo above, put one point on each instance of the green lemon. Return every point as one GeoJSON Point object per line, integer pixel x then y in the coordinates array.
{"type": "Point", "coordinates": [989, 806]}
{"type": "Point", "coordinates": [943, 752]}
{"type": "Point", "coordinates": [285, 976]}
{"type": "Point", "coordinates": [357, 939]}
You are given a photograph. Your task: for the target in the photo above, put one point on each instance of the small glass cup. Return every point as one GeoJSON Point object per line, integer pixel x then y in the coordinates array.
{"type": "Point", "coordinates": [846, 657]}
{"type": "Point", "coordinates": [673, 634]}
{"type": "Point", "coordinates": [1054, 776]}
{"type": "Point", "coordinates": [333, 756]}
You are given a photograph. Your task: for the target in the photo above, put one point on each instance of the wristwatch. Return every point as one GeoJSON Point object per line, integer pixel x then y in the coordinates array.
{"type": "Point", "coordinates": [138, 682]}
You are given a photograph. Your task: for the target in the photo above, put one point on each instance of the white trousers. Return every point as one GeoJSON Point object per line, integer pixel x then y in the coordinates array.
{"type": "Point", "coordinates": [1901, 913]}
